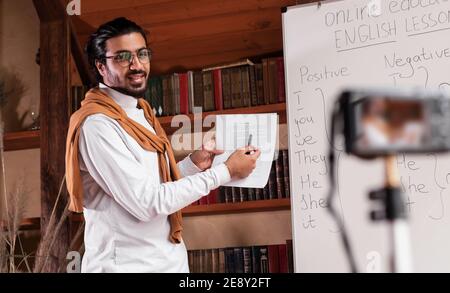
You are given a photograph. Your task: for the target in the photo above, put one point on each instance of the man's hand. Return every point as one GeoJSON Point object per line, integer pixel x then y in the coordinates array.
{"type": "Point", "coordinates": [242, 162]}
{"type": "Point", "coordinates": [204, 157]}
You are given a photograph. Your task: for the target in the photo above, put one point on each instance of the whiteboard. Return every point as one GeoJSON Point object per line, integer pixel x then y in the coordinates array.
{"type": "Point", "coordinates": [363, 43]}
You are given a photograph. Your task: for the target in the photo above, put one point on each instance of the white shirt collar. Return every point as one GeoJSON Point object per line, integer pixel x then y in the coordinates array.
{"type": "Point", "coordinates": [124, 101]}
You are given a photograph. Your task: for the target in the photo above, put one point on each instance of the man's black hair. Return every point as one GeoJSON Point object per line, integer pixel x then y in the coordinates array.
{"type": "Point", "coordinates": [96, 45]}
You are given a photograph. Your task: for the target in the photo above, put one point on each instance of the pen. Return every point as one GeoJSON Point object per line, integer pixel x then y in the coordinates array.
{"type": "Point", "coordinates": [249, 142]}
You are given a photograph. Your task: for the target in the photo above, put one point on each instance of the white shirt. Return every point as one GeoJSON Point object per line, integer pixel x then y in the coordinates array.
{"type": "Point", "coordinates": [126, 207]}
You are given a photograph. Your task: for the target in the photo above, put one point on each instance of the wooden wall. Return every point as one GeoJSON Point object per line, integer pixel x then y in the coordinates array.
{"type": "Point", "coordinates": [191, 34]}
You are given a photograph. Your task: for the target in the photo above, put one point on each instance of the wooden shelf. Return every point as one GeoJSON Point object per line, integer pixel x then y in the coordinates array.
{"type": "Point", "coordinates": [192, 211]}
{"type": "Point", "coordinates": [279, 108]}
{"type": "Point", "coordinates": [27, 224]}
{"type": "Point", "coordinates": [22, 140]}
{"type": "Point", "coordinates": [227, 208]}
{"type": "Point", "coordinates": [235, 208]}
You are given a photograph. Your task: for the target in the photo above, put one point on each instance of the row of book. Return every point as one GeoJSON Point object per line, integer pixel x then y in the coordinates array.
{"type": "Point", "coordinates": [242, 84]}
{"type": "Point", "coordinates": [276, 187]}
{"type": "Point", "coordinates": [254, 259]}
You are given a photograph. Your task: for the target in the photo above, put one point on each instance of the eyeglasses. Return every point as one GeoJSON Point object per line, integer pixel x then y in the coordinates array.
{"type": "Point", "coordinates": [125, 58]}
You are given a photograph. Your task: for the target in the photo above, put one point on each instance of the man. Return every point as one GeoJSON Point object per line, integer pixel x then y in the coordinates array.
{"type": "Point", "coordinates": [120, 167]}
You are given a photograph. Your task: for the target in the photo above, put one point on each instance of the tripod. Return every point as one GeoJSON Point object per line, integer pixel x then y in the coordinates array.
{"type": "Point", "coordinates": [391, 196]}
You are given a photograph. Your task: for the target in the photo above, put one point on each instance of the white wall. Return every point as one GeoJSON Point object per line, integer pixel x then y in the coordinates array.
{"type": "Point", "coordinates": [19, 41]}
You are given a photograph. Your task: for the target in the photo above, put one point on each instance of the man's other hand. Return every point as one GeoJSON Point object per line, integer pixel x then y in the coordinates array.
{"type": "Point", "coordinates": [204, 157]}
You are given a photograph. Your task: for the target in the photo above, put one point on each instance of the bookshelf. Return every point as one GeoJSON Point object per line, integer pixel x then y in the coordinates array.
{"type": "Point", "coordinates": [279, 108]}
{"type": "Point", "coordinates": [236, 208]}
{"type": "Point", "coordinates": [23, 140]}
{"type": "Point", "coordinates": [227, 208]}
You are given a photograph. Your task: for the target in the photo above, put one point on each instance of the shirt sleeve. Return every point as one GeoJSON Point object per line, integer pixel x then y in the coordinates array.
{"type": "Point", "coordinates": [115, 169]}
{"type": "Point", "coordinates": [187, 167]}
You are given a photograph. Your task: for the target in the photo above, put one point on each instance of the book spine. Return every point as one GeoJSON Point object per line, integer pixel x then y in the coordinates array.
{"type": "Point", "coordinates": [228, 194]}
{"type": "Point", "coordinates": [203, 261]}
{"type": "Point", "coordinates": [273, 81]}
{"type": "Point", "coordinates": [191, 261]}
{"type": "Point", "coordinates": [184, 93]}
{"type": "Point", "coordinates": [274, 264]}
{"type": "Point", "coordinates": [222, 266]}
{"type": "Point", "coordinates": [253, 90]}
{"type": "Point", "coordinates": [290, 256]}
{"type": "Point", "coordinates": [251, 194]}
{"type": "Point", "coordinates": [208, 261]}
{"type": "Point", "coordinates": [213, 195]}
{"type": "Point", "coordinates": [197, 261]}
{"type": "Point", "coordinates": [190, 75]}
{"type": "Point", "coordinates": [259, 84]}
{"type": "Point", "coordinates": [264, 260]}
{"type": "Point", "coordinates": [215, 261]}
{"type": "Point", "coordinates": [245, 87]}
{"type": "Point", "coordinates": [286, 172]}
{"type": "Point", "coordinates": [229, 260]}
{"type": "Point", "coordinates": [226, 88]}
{"type": "Point", "coordinates": [265, 191]}
{"type": "Point", "coordinates": [235, 196]}
{"type": "Point", "coordinates": [283, 258]}
{"type": "Point", "coordinates": [198, 90]}
{"type": "Point", "coordinates": [247, 259]}
{"type": "Point", "coordinates": [204, 200]}
{"type": "Point", "coordinates": [256, 259]}
{"type": "Point", "coordinates": [208, 91]}
{"type": "Point", "coordinates": [175, 94]}
{"type": "Point", "coordinates": [273, 182]}
{"type": "Point", "coordinates": [218, 92]}
{"type": "Point", "coordinates": [265, 67]}
{"type": "Point", "coordinates": [279, 176]}
{"type": "Point", "coordinates": [236, 85]}
{"type": "Point", "coordinates": [259, 194]}
{"type": "Point", "coordinates": [281, 82]}
{"type": "Point", "coordinates": [166, 95]}
{"type": "Point", "coordinates": [238, 260]}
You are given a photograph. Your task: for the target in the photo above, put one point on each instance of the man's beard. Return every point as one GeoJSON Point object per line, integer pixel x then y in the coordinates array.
{"type": "Point", "coordinates": [136, 93]}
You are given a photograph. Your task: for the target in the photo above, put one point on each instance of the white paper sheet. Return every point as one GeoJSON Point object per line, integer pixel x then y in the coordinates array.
{"type": "Point", "coordinates": [233, 131]}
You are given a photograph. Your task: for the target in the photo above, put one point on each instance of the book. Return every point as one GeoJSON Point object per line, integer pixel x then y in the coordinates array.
{"type": "Point", "coordinates": [245, 87]}
{"type": "Point", "coordinates": [226, 88]}
{"type": "Point", "coordinates": [184, 93]}
{"type": "Point", "coordinates": [253, 86]}
{"type": "Point", "coordinates": [259, 84]}
{"type": "Point", "coordinates": [283, 258]}
{"type": "Point", "coordinates": [218, 92]}
{"type": "Point", "coordinates": [273, 256]}
{"type": "Point", "coordinates": [198, 90]}
{"type": "Point", "coordinates": [281, 82]}
{"type": "Point", "coordinates": [236, 88]}
{"type": "Point", "coordinates": [248, 259]}
{"type": "Point", "coordinates": [190, 76]}
{"type": "Point", "coordinates": [208, 91]}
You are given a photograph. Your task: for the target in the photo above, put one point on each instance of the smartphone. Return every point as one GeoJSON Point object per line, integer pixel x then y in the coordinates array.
{"type": "Point", "coordinates": [386, 122]}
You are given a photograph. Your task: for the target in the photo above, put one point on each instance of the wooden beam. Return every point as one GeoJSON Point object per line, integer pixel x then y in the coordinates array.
{"type": "Point", "coordinates": [55, 44]}
{"type": "Point", "coordinates": [49, 10]}
{"type": "Point", "coordinates": [79, 57]}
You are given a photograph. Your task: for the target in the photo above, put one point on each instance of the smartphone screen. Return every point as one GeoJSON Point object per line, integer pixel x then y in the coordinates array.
{"type": "Point", "coordinates": [386, 125]}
